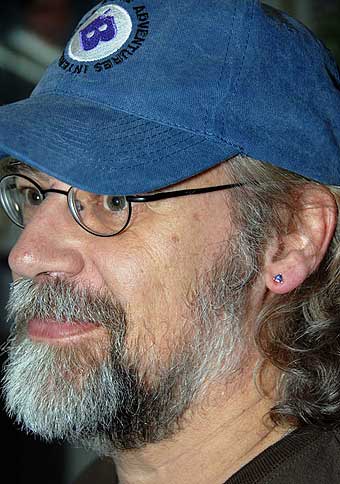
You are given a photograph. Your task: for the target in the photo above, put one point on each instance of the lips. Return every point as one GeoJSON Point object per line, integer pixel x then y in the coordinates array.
{"type": "Point", "coordinates": [49, 329]}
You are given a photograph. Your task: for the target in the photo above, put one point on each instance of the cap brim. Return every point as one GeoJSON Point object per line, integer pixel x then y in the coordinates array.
{"type": "Point", "coordinates": [93, 147]}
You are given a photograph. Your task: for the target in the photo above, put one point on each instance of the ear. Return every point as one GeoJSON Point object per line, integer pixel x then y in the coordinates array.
{"type": "Point", "coordinates": [294, 255]}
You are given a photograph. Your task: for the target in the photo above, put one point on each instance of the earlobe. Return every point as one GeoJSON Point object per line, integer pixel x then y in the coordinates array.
{"type": "Point", "coordinates": [304, 247]}
{"type": "Point", "coordinates": [293, 272]}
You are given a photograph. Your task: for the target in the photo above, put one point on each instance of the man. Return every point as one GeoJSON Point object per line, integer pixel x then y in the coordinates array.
{"type": "Point", "coordinates": [184, 321]}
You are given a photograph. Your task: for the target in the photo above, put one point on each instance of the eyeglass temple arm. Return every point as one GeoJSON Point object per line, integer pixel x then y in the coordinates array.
{"type": "Point", "coordinates": [180, 193]}
{"type": "Point", "coordinates": [162, 195]}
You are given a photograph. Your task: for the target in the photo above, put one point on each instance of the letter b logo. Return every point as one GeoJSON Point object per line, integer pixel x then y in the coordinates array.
{"type": "Point", "coordinates": [102, 29]}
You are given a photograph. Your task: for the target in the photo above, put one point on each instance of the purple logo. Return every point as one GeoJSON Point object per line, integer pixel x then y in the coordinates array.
{"type": "Point", "coordinates": [102, 29]}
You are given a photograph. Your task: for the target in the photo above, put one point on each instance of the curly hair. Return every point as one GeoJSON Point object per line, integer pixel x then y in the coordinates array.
{"type": "Point", "coordinates": [298, 332]}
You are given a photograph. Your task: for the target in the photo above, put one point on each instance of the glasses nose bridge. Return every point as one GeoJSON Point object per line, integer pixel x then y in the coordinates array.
{"type": "Point", "coordinates": [57, 191]}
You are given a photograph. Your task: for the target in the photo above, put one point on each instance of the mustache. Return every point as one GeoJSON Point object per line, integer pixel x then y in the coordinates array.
{"type": "Point", "coordinates": [63, 301]}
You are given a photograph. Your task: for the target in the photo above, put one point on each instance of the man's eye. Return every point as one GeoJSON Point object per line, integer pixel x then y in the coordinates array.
{"type": "Point", "coordinates": [31, 196]}
{"type": "Point", "coordinates": [79, 206]}
{"type": "Point", "coordinates": [114, 203]}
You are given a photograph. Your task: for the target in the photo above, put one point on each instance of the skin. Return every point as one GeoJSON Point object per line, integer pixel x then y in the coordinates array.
{"type": "Point", "coordinates": [167, 246]}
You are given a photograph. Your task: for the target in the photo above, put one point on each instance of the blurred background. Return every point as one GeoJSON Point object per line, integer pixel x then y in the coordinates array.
{"type": "Point", "coordinates": [32, 33]}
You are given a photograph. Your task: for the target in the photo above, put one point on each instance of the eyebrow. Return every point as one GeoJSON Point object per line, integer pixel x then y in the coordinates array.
{"type": "Point", "coordinates": [19, 167]}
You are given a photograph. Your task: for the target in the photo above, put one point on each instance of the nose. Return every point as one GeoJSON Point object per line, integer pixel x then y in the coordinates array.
{"type": "Point", "coordinates": [50, 244]}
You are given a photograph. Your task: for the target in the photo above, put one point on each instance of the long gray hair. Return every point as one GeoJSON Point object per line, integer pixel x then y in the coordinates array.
{"type": "Point", "coordinates": [298, 332]}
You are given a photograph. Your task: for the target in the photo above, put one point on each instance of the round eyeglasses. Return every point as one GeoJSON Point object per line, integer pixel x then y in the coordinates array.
{"type": "Point", "coordinates": [100, 215]}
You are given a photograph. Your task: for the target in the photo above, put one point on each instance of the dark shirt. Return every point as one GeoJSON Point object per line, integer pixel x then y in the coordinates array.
{"type": "Point", "coordinates": [306, 456]}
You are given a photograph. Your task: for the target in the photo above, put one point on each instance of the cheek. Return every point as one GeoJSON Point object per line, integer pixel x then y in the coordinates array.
{"type": "Point", "coordinates": [150, 276]}
{"type": "Point", "coordinates": [141, 274]}
{"type": "Point", "coordinates": [154, 294]}
{"type": "Point", "coordinates": [152, 267]}
{"type": "Point", "coordinates": [146, 265]}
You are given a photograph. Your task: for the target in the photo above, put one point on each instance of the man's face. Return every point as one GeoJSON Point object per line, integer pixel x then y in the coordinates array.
{"type": "Point", "coordinates": [139, 315]}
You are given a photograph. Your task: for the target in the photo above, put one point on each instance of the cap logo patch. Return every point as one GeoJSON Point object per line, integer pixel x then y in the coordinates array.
{"type": "Point", "coordinates": [101, 35]}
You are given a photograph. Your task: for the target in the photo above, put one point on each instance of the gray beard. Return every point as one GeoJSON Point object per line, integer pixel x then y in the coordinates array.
{"type": "Point", "coordinates": [106, 396]}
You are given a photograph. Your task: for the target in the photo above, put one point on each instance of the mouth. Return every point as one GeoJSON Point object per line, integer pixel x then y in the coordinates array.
{"type": "Point", "coordinates": [49, 330]}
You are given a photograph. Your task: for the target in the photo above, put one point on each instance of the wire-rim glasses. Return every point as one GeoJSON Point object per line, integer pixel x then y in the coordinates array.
{"type": "Point", "coordinates": [100, 215]}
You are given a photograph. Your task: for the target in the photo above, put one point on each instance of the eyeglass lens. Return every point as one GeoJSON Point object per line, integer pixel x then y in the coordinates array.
{"type": "Point", "coordinates": [99, 214]}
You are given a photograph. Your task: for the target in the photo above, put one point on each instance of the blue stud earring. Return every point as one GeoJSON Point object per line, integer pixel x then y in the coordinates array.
{"type": "Point", "coordinates": [278, 279]}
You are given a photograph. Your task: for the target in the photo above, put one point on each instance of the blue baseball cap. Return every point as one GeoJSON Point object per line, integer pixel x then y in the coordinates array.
{"type": "Point", "coordinates": [147, 94]}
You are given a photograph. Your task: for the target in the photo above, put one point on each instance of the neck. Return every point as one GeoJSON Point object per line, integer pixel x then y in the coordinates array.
{"type": "Point", "coordinates": [219, 438]}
